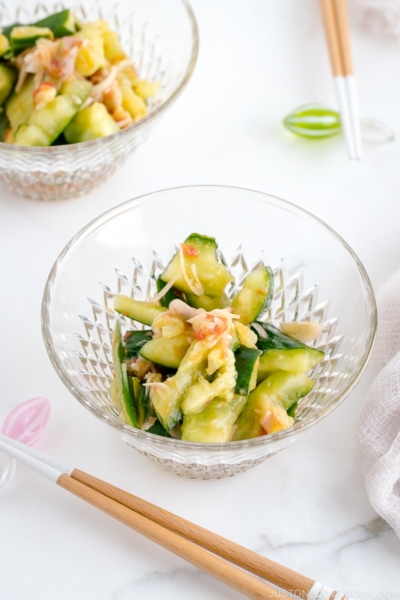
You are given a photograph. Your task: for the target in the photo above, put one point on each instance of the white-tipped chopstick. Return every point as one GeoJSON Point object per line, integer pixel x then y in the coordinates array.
{"type": "Point", "coordinates": [335, 19]}
{"type": "Point", "coordinates": [202, 548]}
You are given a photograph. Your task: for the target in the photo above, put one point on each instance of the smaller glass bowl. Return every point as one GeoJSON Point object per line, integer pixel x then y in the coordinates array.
{"type": "Point", "coordinates": [123, 251]}
{"type": "Point", "coordinates": [162, 39]}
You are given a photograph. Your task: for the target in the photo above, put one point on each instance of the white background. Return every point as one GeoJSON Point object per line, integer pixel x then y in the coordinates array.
{"type": "Point", "coordinates": [306, 507]}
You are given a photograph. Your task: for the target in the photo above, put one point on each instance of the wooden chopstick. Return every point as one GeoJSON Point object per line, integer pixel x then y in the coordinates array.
{"type": "Point", "coordinates": [351, 88]}
{"type": "Point", "coordinates": [242, 557]}
{"type": "Point", "coordinates": [343, 31]}
{"type": "Point", "coordinates": [239, 580]}
{"type": "Point", "coordinates": [334, 13]}
{"type": "Point", "coordinates": [329, 18]}
{"type": "Point", "coordinates": [202, 548]}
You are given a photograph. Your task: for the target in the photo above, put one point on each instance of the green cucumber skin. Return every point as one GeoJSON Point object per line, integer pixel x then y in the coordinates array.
{"type": "Point", "coordinates": [4, 125]}
{"type": "Point", "coordinates": [158, 429]}
{"type": "Point", "coordinates": [135, 341]}
{"type": "Point", "coordinates": [142, 404]}
{"type": "Point", "coordinates": [198, 240]}
{"type": "Point", "coordinates": [8, 77]}
{"type": "Point", "coordinates": [246, 364]}
{"type": "Point", "coordinates": [19, 42]}
{"type": "Point", "coordinates": [276, 340]}
{"type": "Point", "coordinates": [8, 29]}
{"type": "Point", "coordinates": [281, 352]}
{"type": "Point", "coordinates": [124, 382]}
{"type": "Point", "coordinates": [61, 23]}
{"type": "Point", "coordinates": [260, 298]}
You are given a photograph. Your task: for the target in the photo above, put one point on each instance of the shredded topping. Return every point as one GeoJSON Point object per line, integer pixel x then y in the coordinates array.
{"type": "Point", "coordinates": [260, 330]}
{"type": "Point", "coordinates": [99, 89]}
{"type": "Point", "coordinates": [215, 323]}
{"type": "Point", "coordinates": [161, 389]}
{"type": "Point", "coordinates": [165, 289]}
{"type": "Point", "coordinates": [54, 58]}
{"type": "Point", "coordinates": [190, 251]}
{"type": "Point", "coordinates": [180, 308]}
{"type": "Point", "coordinates": [168, 324]}
{"type": "Point", "coordinates": [194, 286]}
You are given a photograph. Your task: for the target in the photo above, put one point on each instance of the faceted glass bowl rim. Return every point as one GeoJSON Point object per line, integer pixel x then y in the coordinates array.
{"type": "Point", "coordinates": [60, 150]}
{"type": "Point", "coordinates": [266, 440]}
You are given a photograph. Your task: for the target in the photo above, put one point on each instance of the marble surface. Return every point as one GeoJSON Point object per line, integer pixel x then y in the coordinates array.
{"type": "Point", "coordinates": [305, 507]}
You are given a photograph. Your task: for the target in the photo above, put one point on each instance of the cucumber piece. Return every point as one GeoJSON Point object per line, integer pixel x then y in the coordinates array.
{"type": "Point", "coordinates": [8, 77]}
{"type": "Point", "coordinates": [55, 116]}
{"type": "Point", "coordinates": [279, 389]}
{"type": "Point", "coordinates": [61, 23]}
{"type": "Point", "coordinates": [144, 312]}
{"type": "Point", "coordinates": [134, 104]}
{"type": "Point", "coordinates": [207, 302]}
{"type": "Point", "coordinates": [19, 106]}
{"type": "Point", "coordinates": [25, 36]}
{"type": "Point", "coordinates": [90, 56]}
{"type": "Point", "coordinates": [124, 382]}
{"type": "Point", "coordinates": [203, 392]}
{"type": "Point", "coordinates": [292, 410]}
{"type": "Point", "coordinates": [215, 422]}
{"type": "Point", "coordinates": [281, 352]}
{"type": "Point", "coordinates": [60, 141]}
{"type": "Point", "coordinates": [200, 252]}
{"type": "Point", "coordinates": [247, 361]}
{"type": "Point", "coordinates": [141, 401]}
{"type": "Point", "coordinates": [112, 48]}
{"type": "Point", "coordinates": [146, 89]}
{"type": "Point", "coordinates": [31, 135]}
{"type": "Point", "coordinates": [135, 341]}
{"type": "Point", "coordinates": [4, 125]}
{"type": "Point", "coordinates": [167, 352]}
{"type": "Point", "coordinates": [158, 429]}
{"type": "Point", "coordinates": [4, 45]}
{"type": "Point", "coordinates": [115, 397]}
{"type": "Point", "coordinates": [6, 31]}
{"type": "Point", "coordinates": [255, 296]}
{"type": "Point", "coordinates": [90, 123]}
{"type": "Point", "coordinates": [167, 402]}
{"type": "Point", "coordinates": [172, 294]}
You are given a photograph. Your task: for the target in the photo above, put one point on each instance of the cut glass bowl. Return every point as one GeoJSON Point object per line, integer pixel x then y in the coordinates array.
{"type": "Point", "coordinates": [162, 39]}
{"type": "Point", "coordinates": [317, 277]}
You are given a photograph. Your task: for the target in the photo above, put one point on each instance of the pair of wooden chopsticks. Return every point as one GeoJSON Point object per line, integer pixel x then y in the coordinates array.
{"type": "Point", "coordinates": [207, 551]}
{"type": "Point", "coordinates": [335, 19]}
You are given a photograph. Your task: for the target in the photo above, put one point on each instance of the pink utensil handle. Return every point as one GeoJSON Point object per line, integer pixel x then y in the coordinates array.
{"type": "Point", "coordinates": [26, 423]}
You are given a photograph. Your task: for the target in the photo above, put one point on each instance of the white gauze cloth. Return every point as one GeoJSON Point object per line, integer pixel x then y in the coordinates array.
{"type": "Point", "coordinates": [379, 426]}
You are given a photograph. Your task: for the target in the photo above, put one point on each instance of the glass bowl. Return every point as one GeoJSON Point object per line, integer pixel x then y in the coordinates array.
{"type": "Point", "coordinates": [162, 39]}
{"type": "Point", "coordinates": [317, 277]}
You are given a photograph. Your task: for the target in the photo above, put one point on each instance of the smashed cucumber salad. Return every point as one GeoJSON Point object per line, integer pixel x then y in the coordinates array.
{"type": "Point", "coordinates": [63, 82]}
{"type": "Point", "coordinates": [208, 369]}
